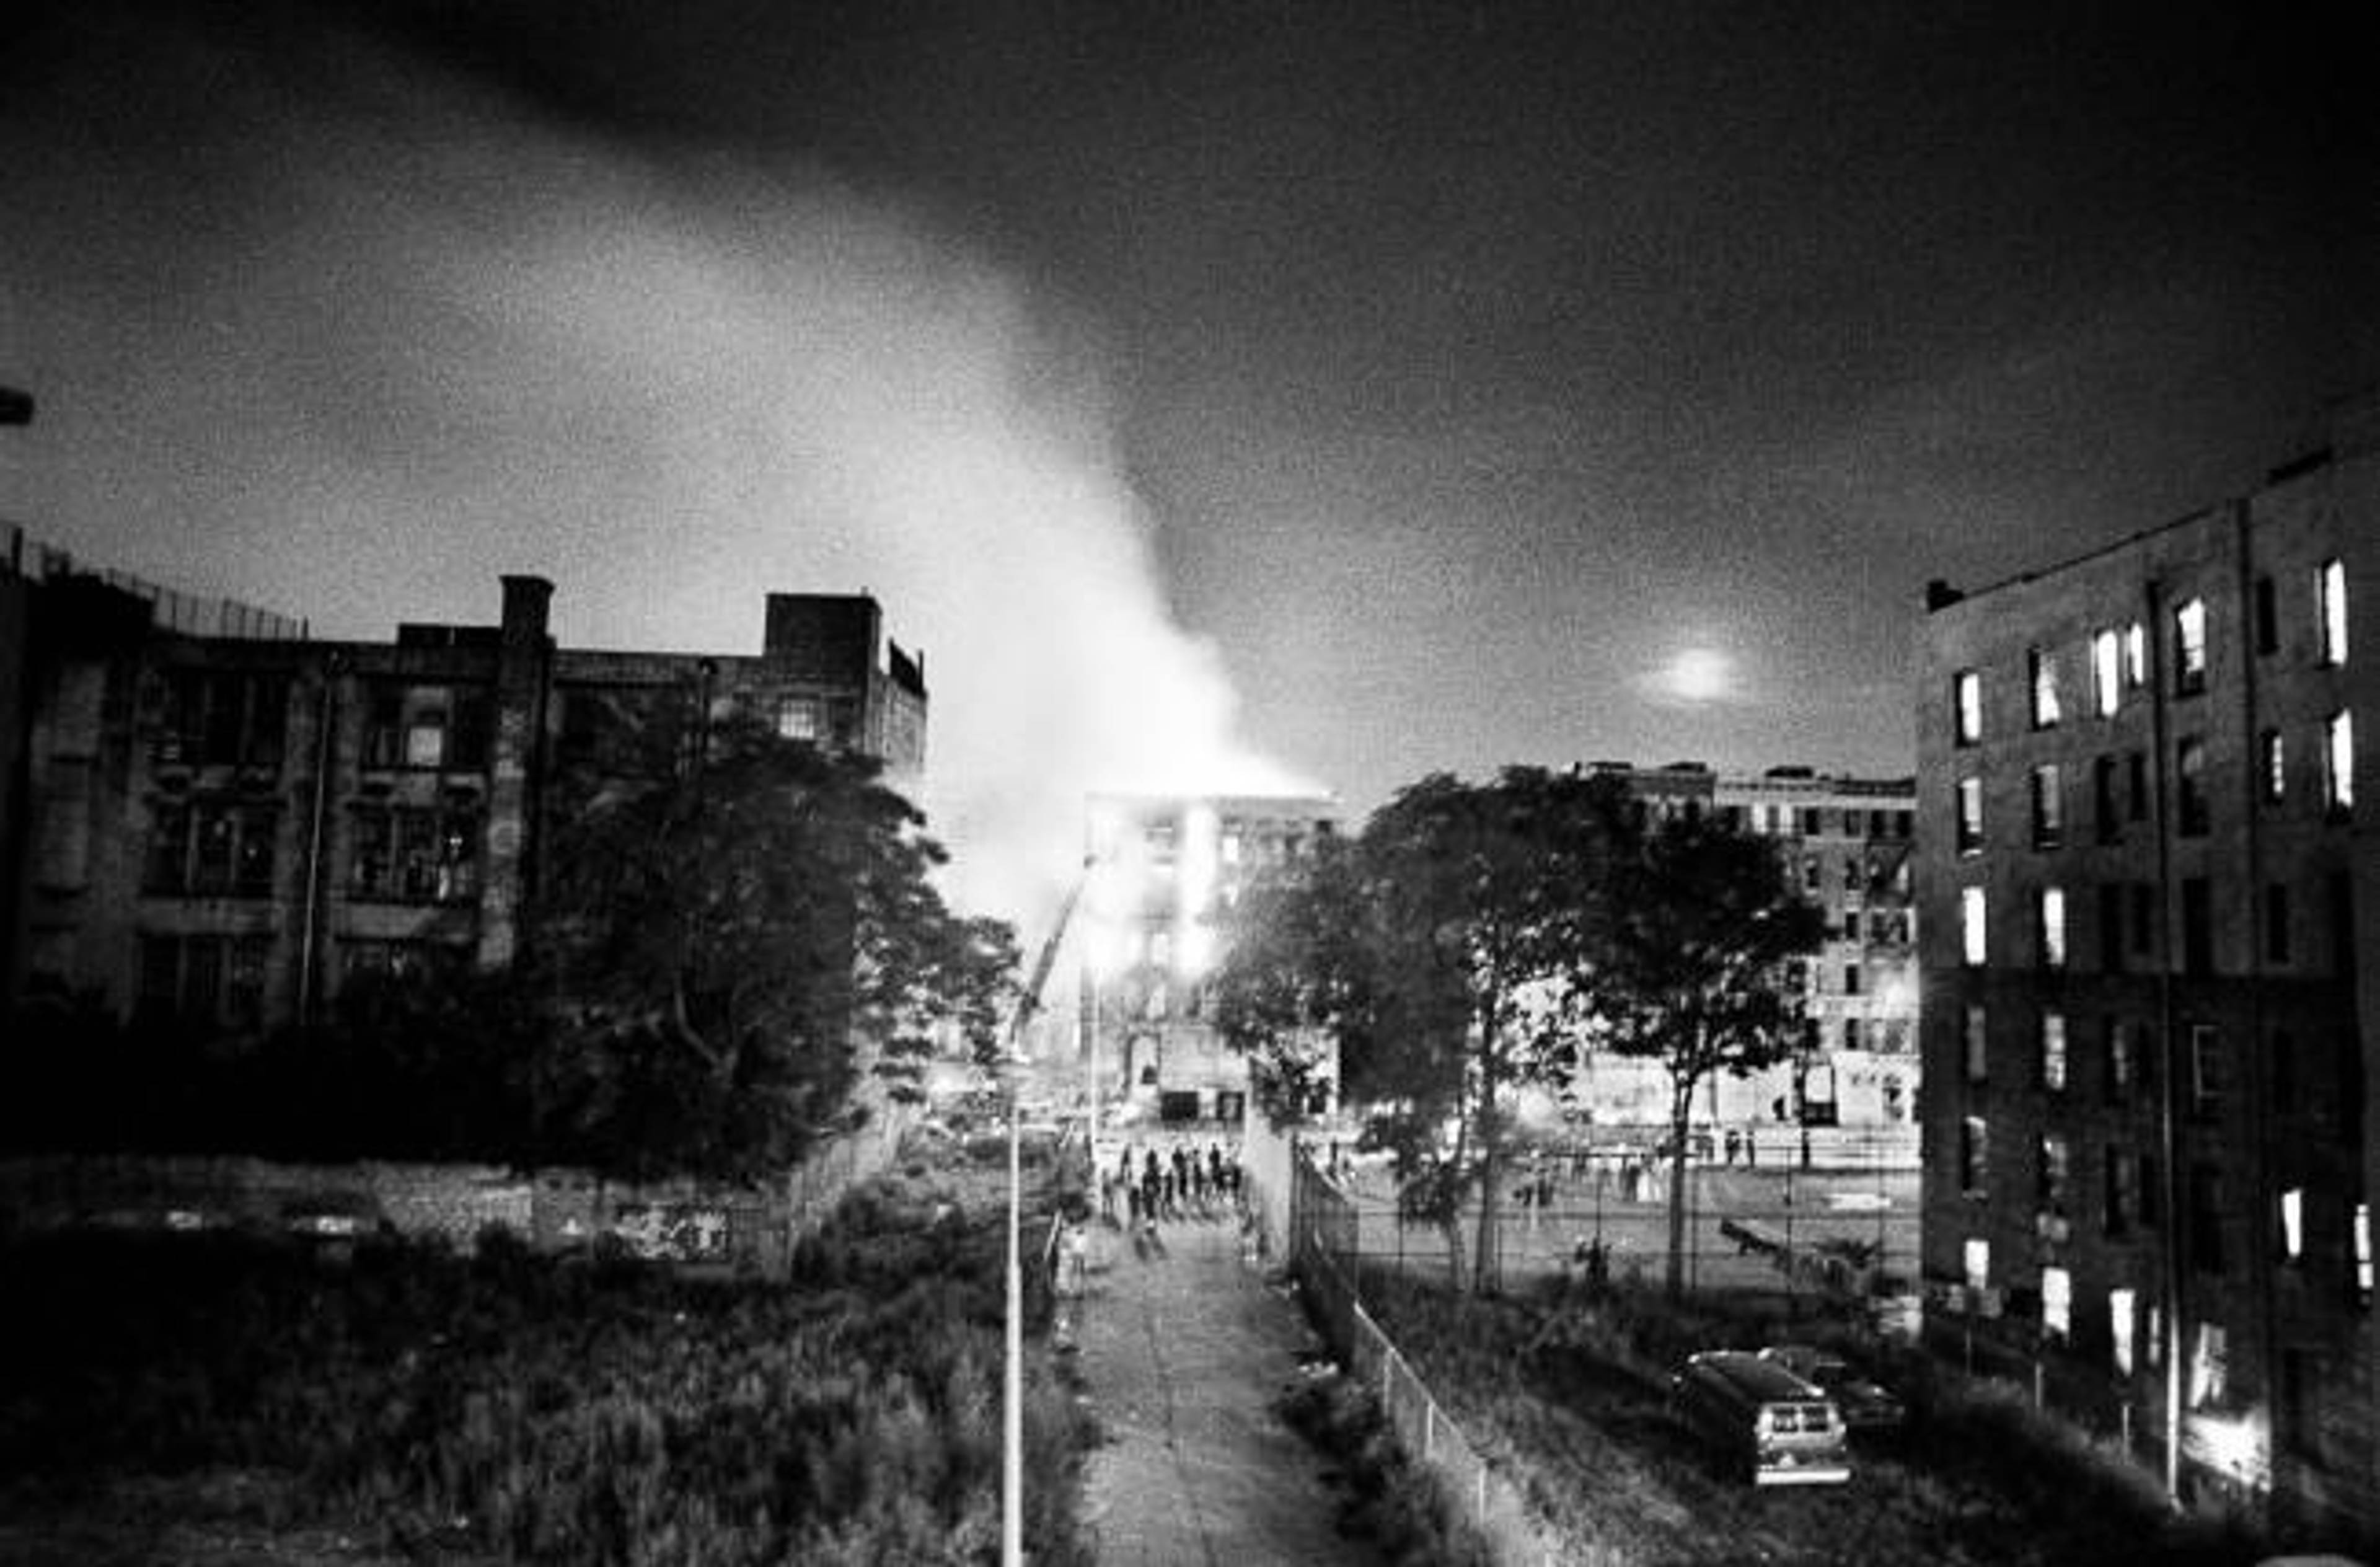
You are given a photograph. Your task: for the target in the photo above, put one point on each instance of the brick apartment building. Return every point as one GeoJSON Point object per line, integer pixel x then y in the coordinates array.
{"type": "Point", "coordinates": [1166, 875]}
{"type": "Point", "coordinates": [2152, 981]}
{"type": "Point", "coordinates": [226, 825]}
{"type": "Point", "coordinates": [1847, 844]}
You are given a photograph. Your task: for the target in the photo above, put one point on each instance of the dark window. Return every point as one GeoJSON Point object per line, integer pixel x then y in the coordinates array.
{"type": "Point", "coordinates": [2207, 1072]}
{"type": "Point", "coordinates": [2190, 767]}
{"type": "Point", "coordinates": [215, 717]}
{"type": "Point", "coordinates": [2206, 1217]}
{"type": "Point", "coordinates": [2119, 1189]}
{"type": "Point", "coordinates": [168, 868]}
{"type": "Point", "coordinates": [2283, 1052]}
{"type": "Point", "coordinates": [2048, 808]}
{"type": "Point", "coordinates": [415, 854]}
{"type": "Point", "coordinates": [2277, 924]}
{"type": "Point", "coordinates": [1852, 973]}
{"type": "Point", "coordinates": [2268, 620]}
{"type": "Point", "coordinates": [2111, 927]}
{"type": "Point", "coordinates": [210, 849]}
{"type": "Point", "coordinates": [2197, 926]}
{"type": "Point", "coordinates": [1974, 1156]}
{"type": "Point", "coordinates": [2136, 792]}
{"type": "Point", "coordinates": [2341, 889]}
{"type": "Point", "coordinates": [2106, 812]}
{"type": "Point", "coordinates": [2117, 1058]}
{"type": "Point", "coordinates": [2056, 1170]}
{"type": "Point", "coordinates": [2144, 900]}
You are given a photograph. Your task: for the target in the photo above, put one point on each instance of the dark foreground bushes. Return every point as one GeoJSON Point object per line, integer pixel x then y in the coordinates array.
{"type": "Point", "coordinates": [511, 1406]}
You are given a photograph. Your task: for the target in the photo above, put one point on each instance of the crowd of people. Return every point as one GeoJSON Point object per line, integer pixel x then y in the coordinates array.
{"type": "Point", "coordinates": [1144, 1186]}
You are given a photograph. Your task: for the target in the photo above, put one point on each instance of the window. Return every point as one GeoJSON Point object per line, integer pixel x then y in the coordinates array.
{"type": "Point", "coordinates": [2189, 765]}
{"type": "Point", "coordinates": [2057, 1304]}
{"type": "Point", "coordinates": [1971, 926]}
{"type": "Point", "coordinates": [2042, 669]}
{"type": "Point", "coordinates": [1974, 1156]}
{"type": "Point", "coordinates": [1975, 1260]}
{"type": "Point", "coordinates": [211, 718]}
{"type": "Point", "coordinates": [2053, 1051]}
{"type": "Point", "coordinates": [2190, 647]}
{"type": "Point", "coordinates": [2152, 1192]}
{"type": "Point", "coordinates": [2360, 1239]}
{"type": "Point", "coordinates": [425, 737]}
{"type": "Point", "coordinates": [2338, 762]}
{"type": "Point", "coordinates": [2272, 765]}
{"type": "Point", "coordinates": [210, 849]}
{"type": "Point", "coordinates": [801, 718]}
{"type": "Point", "coordinates": [2206, 1217]}
{"type": "Point", "coordinates": [2283, 1053]}
{"type": "Point", "coordinates": [1967, 704]}
{"type": "Point", "coordinates": [2293, 1224]}
{"type": "Point", "coordinates": [2118, 1060]}
{"type": "Point", "coordinates": [217, 981]}
{"type": "Point", "coordinates": [2330, 611]}
{"type": "Point", "coordinates": [2052, 924]}
{"type": "Point", "coordinates": [2206, 1072]}
{"type": "Point", "coordinates": [2120, 1193]}
{"type": "Point", "coordinates": [2107, 812]}
{"type": "Point", "coordinates": [2143, 901]}
{"type": "Point", "coordinates": [2048, 808]}
{"type": "Point", "coordinates": [2056, 1169]}
{"type": "Point", "coordinates": [2136, 785]}
{"type": "Point", "coordinates": [428, 727]}
{"type": "Point", "coordinates": [2123, 1321]}
{"type": "Point", "coordinates": [2277, 923]}
{"type": "Point", "coordinates": [1852, 970]}
{"type": "Point", "coordinates": [2209, 1367]}
{"type": "Point", "coordinates": [2197, 926]}
{"type": "Point", "coordinates": [1974, 1044]}
{"type": "Point", "coordinates": [2136, 655]}
{"type": "Point", "coordinates": [1850, 1033]}
{"type": "Point", "coordinates": [2111, 927]}
{"type": "Point", "coordinates": [2106, 672]}
{"type": "Point", "coordinates": [2268, 619]}
{"type": "Point", "coordinates": [412, 854]}
{"type": "Point", "coordinates": [1970, 816]}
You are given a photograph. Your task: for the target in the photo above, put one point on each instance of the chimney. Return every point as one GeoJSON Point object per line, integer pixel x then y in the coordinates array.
{"type": "Point", "coordinates": [526, 599]}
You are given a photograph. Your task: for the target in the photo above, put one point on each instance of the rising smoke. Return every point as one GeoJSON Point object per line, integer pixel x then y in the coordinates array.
{"type": "Point", "coordinates": [349, 339]}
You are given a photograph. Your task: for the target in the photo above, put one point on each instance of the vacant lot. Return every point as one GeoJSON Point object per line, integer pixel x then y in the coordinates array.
{"type": "Point", "coordinates": [220, 1399]}
{"type": "Point", "coordinates": [1576, 1397]}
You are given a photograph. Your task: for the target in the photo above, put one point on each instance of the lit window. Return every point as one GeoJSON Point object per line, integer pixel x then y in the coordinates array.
{"type": "Point", "coordinates": [2273, 764]}
{"type": "Point", "coordinates": [2056, 1160]}
{"type": "Point", "coordinates": [2057, 1303]}
{"type": "Point", "coordinates": [2362, 1241]}
{"type": "Point", "coordinates": [2330, 610]}
{"type": "Point", "coordinates": [800, 718]}
{"type": "Point", "coordinates": [2190, 646]}
{"type": "Point", "coordinates": [1971, 925]}
{"type": "Point", "coordinates": [2136, 655]}
{"type": "Point", "coordinates": [1970, 816]}
{"type": "Point", "coordinates": [2053, 1051]}
{"type": "Point", "coordinates": [2293, 1224]}
{"type": "Point", "coordinates": [2208, 1365]}
{"type": "Point", "coordinates": [1978, 1258]}
{"type": "Point", "coordinates": [2053, 927]}
{"type": "Point", "coordinates": [2106, 672]}
{"type": "Point", "coordinates": [1973, 1039]}
{"type": "Point", "coordinates": [1967, 697]}
{"type": "Point", "coordinates": [2044, 668]}
{"type": "Point", "coordinates": [1974, 1156]}
{"type": "Point", "coordinates": [2122, 1321]}
{"type": "Point", "coordinates": [2339, 761]}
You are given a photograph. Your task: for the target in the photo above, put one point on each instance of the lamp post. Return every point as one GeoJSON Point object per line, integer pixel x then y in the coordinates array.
{"type": "Point", "coordinates": [1012, 1478]}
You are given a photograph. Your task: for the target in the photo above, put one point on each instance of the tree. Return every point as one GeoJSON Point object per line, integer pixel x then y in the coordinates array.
{"type": "Point", "coordinates": [727, 947]}
{"type": "Point", "coordinates": [1691, 969]}
{"type": "Point", "coordinates": [1448, 952]}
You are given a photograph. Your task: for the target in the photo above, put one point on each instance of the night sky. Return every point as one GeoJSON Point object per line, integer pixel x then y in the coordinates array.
{"type": "Point", "coordinates": [1239, 394]}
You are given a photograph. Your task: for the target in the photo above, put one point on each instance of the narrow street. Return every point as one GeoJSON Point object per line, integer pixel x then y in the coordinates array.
{"type": "Point", "coordinates": [1185, 1349]}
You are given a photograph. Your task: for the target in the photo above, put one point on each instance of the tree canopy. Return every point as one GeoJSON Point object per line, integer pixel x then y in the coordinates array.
{"type": "Point", "coordinates": [725, 952]}
{"type": "Point", "coordinates": [1477, 938]}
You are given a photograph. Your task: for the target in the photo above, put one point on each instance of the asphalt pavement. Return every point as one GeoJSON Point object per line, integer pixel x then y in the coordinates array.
{"type": "Point", "coordinates": [1184, 1346]}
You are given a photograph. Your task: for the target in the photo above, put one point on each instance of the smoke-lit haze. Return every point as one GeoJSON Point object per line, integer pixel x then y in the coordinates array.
{"type": "Point", "coordinates": [408, 337]}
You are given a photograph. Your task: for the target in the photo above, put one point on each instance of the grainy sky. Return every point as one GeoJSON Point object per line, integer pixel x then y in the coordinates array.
{"type": "Point", "coordinates": [1222, 392]}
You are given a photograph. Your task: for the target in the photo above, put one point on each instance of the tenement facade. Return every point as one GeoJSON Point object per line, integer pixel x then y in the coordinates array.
{"type": "Point", "coordinates": [1166, 878]}
{"type": "Point", "coordinates": [224, 828]}
{"type": "Point", "coordinates": [2144, 887]}
{"type": "Point", "coordinates": [1846, 843]}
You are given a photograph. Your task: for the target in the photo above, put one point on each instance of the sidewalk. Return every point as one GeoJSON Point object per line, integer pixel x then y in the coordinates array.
{"type": "Point", "coordinates": [1185, 1349]}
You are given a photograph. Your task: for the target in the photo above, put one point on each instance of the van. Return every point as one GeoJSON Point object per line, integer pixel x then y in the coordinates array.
{"type": "Point", "coordinates": [1757, 1415]}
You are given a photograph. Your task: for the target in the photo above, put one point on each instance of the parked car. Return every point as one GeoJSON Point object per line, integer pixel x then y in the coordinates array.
{"type": "Point", "coordinates": [1765, 1423]}
{"type": "Point", "coordinates": [1867, 1405]}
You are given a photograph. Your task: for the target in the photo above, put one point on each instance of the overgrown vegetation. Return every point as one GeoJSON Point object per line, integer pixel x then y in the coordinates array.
{"type": "Point", "coordinates": [507, 1406]}
{"type": "Point", "coordinates": [1384, 1499]}
{"type": "Point", "coordinates": [1573, 1392]}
